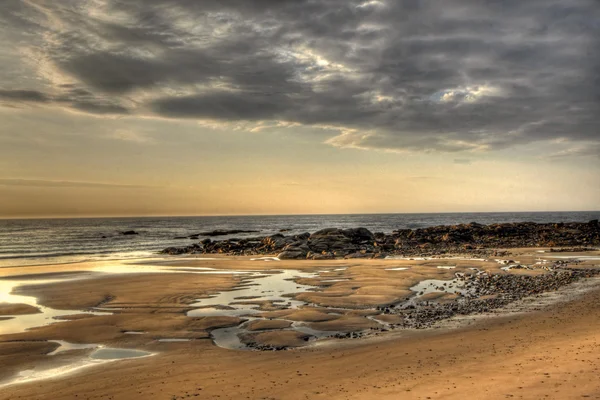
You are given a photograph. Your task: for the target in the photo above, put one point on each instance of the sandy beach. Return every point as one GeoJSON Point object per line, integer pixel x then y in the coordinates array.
{"type": "Point", "coordinates": [299, 200]}
{"type": "Point", "coordinates": [550, 351]}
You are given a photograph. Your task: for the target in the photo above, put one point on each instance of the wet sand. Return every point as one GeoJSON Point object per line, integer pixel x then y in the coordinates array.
{"type": "Point", "coordinates": [554, 352]}
{"type": "Point", "coordinates": [17, 309]}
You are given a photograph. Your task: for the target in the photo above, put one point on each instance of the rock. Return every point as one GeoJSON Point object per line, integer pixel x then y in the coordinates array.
{"type": "Point", "coordinates": [359, 255]}
{"type": "Point", "coordinates": [292, 254]}
{"type": "Point", "coordinates": [174, 251]}
{"type": "Point", "coordinates": [275, 241]}
{"type": "Point", "coordinates": [326, 256]}
{"type": "Point", "coordinates": [331, 239]}
{"type": "Point", "coordinates": [129, 233]}
{"type": "Point", "coordinates": [474, 240]}
{"type": "Point", "coordinates": [303, 236]}
{"type": "Point", "coordinates": [297, 246]}
{"type": "Point", "coordinates": [359, 235]}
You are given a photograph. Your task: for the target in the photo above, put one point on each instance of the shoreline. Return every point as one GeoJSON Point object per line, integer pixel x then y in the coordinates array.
{"type": "Point", "coordinates": [467, 238]}
{"type": "Point", "coordinates": [175, 307]}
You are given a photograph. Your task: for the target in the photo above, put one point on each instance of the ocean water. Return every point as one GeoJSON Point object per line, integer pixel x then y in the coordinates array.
{"type": "Point", "coordinates": [47, 241]}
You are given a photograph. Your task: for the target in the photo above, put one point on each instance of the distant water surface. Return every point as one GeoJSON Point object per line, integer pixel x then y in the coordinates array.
{"type": "Point", "coordinates": [46, 241]}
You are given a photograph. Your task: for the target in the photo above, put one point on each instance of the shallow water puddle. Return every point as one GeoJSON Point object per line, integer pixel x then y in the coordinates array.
{"type": "Point", "coordinates": [154, 269]}
{"type": "Point", "coordinates": [109, 353]}
{"type": "Point", "coordinates": [66, 346]}
{"type": "Point", "coordinates": [433, 258]}
{"type": "Point", "coordinates": [439, 286]}
{"type": "Point", "coordinates": [98, 357]}
{"type": "Point", "coordinates": [245, 299]}
{"type": "Point", "coordinates": [301, 327]}
{"type": "Point", "coordinates": [265, 259]}
{"type": "Point", "coordinates": [229, 338]}
{"type": "Point", "coordinates": [216, 312]}
{"type": "Point", "coordinates": [260, 287]}
{"type": "Point", "coordinates": [31, 375]}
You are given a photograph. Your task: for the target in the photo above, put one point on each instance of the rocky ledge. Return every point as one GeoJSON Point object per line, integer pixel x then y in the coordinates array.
{"type": "Point", "coordinates": [473, 239]}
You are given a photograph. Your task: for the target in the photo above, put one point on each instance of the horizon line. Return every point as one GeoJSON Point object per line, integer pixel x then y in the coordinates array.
{"type": "Point", "coordinates": [288, 215]}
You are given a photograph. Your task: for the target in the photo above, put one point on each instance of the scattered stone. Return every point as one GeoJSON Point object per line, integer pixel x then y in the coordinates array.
{"type": "Point", "coordinates": [485, 292]}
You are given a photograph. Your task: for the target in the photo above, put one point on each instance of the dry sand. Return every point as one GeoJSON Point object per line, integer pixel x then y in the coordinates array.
{"type": "Point", "coordinates": [553, 353]}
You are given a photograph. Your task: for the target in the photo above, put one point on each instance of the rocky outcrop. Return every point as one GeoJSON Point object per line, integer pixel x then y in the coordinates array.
{"type": "Point", "coordinates": [525, 234]}
{"type": "Point", "coordinates": [473, 238]}
{"type": "Point", "coordinates": [331, 239]}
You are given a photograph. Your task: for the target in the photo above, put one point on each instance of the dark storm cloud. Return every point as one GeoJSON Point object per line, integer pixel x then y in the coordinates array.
{"type": "Point", "coordinates": [418, 75]}
{"type": "Point", "coordinates": [227, 106]}
{"type": "Point", "coordinates": [99, 108]}
{"type": "Point", "coordinates": [23, 95]}
{"type": "Point", "coordinates": [78, 99]}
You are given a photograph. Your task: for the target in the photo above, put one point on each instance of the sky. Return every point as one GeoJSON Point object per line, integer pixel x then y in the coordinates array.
{"type": "Point", "coordinates": [214, 107]}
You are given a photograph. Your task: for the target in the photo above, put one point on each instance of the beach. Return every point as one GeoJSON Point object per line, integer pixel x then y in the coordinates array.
{"type": "Point", "coordinates": [335, 340]}
{"type": "Point", "coordinates": [299, 200]}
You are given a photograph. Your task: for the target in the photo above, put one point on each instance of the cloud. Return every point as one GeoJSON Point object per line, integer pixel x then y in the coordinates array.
{"type": "Point", "coordinates": [76, 99]}
{"type": "Point", "coordinates": [405, 76]}
{"type": "Point", "coordinates": [223, 105]}
{"type": "Point", "coordinates": [64, 184]}
{"type": "Point", "coordinates": [96, 108]}
{"type": "Point", "coordinates": [591, 150]}
{"type": "Point", "coordinates": [23, 95]}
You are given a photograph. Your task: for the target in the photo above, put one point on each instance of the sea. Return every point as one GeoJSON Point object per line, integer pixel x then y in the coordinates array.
{"type": "Point", "coordinates": [27, 242]}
